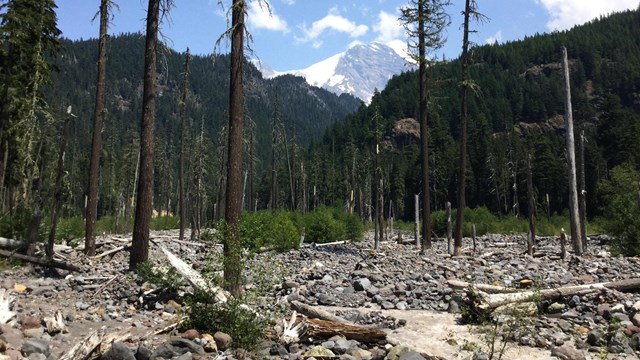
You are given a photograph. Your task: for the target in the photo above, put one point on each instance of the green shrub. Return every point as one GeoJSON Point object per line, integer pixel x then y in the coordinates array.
{"type": "Point", "coordinates": [14, 226]}
{"type": "Point", "coordinates": [322, 227]}
{"type": "Point", "coordinates": [109, 224]}
{"type": "Point", "coordinates": [622, 213]}
{"type": "Point", "coordinates": [166, 222]}
{"type": "Point", "coordinates": [70, 228]}
{"type": "Point", "coordinates": [245, 327]}
{"type": "Point", "coordinates": [165, 278]}
{"type": "Point", "coordinates": [268, 229]}
{"type": "Point", "coordinates": [353, 226]}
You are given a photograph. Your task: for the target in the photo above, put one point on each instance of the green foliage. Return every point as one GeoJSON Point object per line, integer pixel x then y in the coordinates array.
{"type": "Point", "coordinates": [114, 225]}
{"type": "Point", "coordinates": [245, 327]}
{"type": "Point", "coordinates": [353, 226]}
{"type": "Point", "coordinates": [268, 229]}
{"type": "Point", "coordinates": [622, 211]}
{"type": "Point", "coordinates": [165, 278]}
{"type": "Point", "coordinates": [70, 229]}
{"type": "Point", "coordinates": [165, 222]}
{"type": "Point", "coordinates": [14, 226]}
{"type": "Point", "coordinates": [322, 226]}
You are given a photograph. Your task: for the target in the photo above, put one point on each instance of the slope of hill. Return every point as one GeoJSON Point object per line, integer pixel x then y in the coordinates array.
{"type": "Point", "coordinates": [359, 71]}
{"type": "Point", "coordinates": [520, 89]}
{"type": "Point", "coordinates": [300, 108]}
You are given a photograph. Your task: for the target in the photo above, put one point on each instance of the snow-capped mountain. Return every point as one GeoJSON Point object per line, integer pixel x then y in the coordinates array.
{"type": "Point", "coordinates": [359, 71]}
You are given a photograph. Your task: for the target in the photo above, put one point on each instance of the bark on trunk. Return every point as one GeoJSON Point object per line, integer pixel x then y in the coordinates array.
{"type": "Point", "coordinates": [532, 208]}
{"type": "Point", "coordinates": [58, 192]}
{"type": "Point", "coordinates": [91, 213]}
{"type": "Point", "coordinates": [424, 131]}
{"type": "Point", "coordinates": [183, 145]}
{"type": "Point", "coordinates": [232, 262]}
{"type": "Point", "coordinates": [144, 202]}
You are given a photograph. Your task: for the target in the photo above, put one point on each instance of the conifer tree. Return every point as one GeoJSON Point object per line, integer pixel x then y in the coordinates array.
{"type": "Point", "coordinates": [431, 21]}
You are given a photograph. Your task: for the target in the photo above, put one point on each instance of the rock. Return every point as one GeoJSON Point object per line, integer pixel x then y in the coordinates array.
{"type": "Point", "coordinates": [118, 351]}
{"type": "Point", "coordinates": [318, 351]}
{"type": "Point", "coordinates": [479, 355]}
{"type": "Point", "coordinates": [30, 322]}
{"type": "Point", "coordinates": [210, 345]}
{"type": "Point", "coordinates": [620, 317]}
{"type": "Point", "coordinates": [222, 340]}
{"type": "Point", "coordinates": [595, 338]}
{"type": "Point", "coordinates": [359, 353]}
{"type": "Point", "coordinates": [191, 334]}
{"type": "Point", "coordinates": [278, 350]}
{"type": "Point", "coordinates": [555, 308]}
{"type": "Point", "coordinates": [568, 352]}
{"type": "Point", "coordinates": [636, 306]}
{"type": "Point", "coordinates": [453, 307]}
{"type": "Point", "coordinates": [342, 345]}
{"type": "Point", "coordinates": [185, 356]}
{"type": "Point", "coordinates": [20, 288]}
{"type": "Point", "coordinates": [143, 353]}
{"type": "Point", "coordinates": [362, 284]}
{"type": "Point", "coordinates": [39, 346]}
{"type": "Point", "coordinates": [635, 342]}
{"type": "Point", "coordinates": [575, 300]}
{"type": "Point", "coordinates": [3, 346]}
{"type": "Point", "coordinates": [34, 332]}
{"type": "Point", "coordinates": [401, 305]}
{"type": "Point", "coordinates": [411, 355]}
{"type": "Point", "coordinates": [165, 351]}
{"type": "Point", "coordinates": [397, 351]}
{"type": "Point", "coordinates": [326, 299]}
{"type": "Point", "coordinates": [636, 319]}
{"type": "Point", "coordinates": [36, 356]}
{"type": "Point", "coordinates": [387, 305]}
{"type": "Point", "coordinates": [189, 345]}
{"type": "Point", "coordinates": [619, 343]}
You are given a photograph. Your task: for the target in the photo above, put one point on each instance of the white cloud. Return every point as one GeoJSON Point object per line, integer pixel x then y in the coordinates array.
{"type": "Point", "coordinates": [263, 17]}
{"type": "Point", "coordinates": [289, 2]}
{"type": "Point", "coordinates": [331, 22]}
{"type": "Point", "coordinates": [566, 13]}
{"type": "Point", "coordinates": [388, 27]}
{"type": "Point", "coordinates": [495, 39]}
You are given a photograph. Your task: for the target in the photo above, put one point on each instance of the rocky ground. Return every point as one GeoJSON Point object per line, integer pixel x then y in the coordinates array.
{"type": "Point", "coordinates": [395, 289]}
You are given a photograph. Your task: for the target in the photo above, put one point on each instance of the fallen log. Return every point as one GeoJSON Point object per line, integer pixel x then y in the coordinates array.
{"type": "Point", "coordinates": [488, 302]}
{"type": "Point", "coordinates": [83, 349]}
{"type": "Point", "coordinates": [439, 265]}
{"type": "Point", "coordinates": [10, 243]}
{"type": "Point", "coordinates": [491, 289]}
{"type": "Point", "coordinates": [325, 329]}
{"type": "Point", "coordinates": [331, 243]}
{"type": "Point", "coordinates": [112, 251]}
{"type": "Point", "coordinates": [39, 261]}
{"type": "Point", "coordinates": [315, 313]}
{"type": "Point", "coordinates": [194, 277]}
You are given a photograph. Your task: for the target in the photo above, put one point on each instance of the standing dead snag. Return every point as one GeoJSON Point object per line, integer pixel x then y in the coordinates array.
{"type": "Point", "coordinates": [576, 234]}
{"type": "Point", "coordinates": [531, 239]}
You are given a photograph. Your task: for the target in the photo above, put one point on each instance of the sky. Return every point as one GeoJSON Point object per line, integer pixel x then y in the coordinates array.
{"type": "Point", "coordinates": [293, 34]}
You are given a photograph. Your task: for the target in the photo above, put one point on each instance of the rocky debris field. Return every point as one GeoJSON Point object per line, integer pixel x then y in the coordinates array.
{"type": "Point", "coordinates": [394, 289]}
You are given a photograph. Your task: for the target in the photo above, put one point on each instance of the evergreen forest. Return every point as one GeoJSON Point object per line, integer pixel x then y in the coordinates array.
{"type": "Point", "coordinates": [306, 147]}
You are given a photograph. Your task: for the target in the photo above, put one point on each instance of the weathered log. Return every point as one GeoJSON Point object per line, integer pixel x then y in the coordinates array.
{"type": "Point", "coordinates": [83, 349]}
{"type": "Point", "coordinates": [325, 329]}
{"type": "Point", "coordinates": [194, 277]}
{"type": "Point", "coordinates": [10, 243]}
{"type": "Point", "coordinates": [55, 324]}
{"type": "Point", "coordinates": [112, 251]}
{"type": "Point", "coordinates": [490, 289]}
{"type": "Point", "coordinates": [39, 261]}
{"type": "Point", "coordinates": [315, 313]}
{"type": "Point", "coordinates": [99, 290]}
{"type": "Point", "coordinates": [492, 301]}
{"type": "Point", "coordinates": [331, 243]}
{"type": "Point", "coordinates": [6, 302]}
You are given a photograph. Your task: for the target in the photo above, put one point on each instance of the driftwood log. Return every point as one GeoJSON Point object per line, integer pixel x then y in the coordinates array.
{"type": "Point", "coordinates": [55, 324]}
{"type": "Point", "coordinates": [316, 313]}
{"type": "Point", "coordinates": [325, 329]}
{"type": "Point", "coordinates": [490, 289]}
{"type": "Point", "coordinates": [10, 243]}
{"type": "Point", "coordinates": [488, 302]}
{"type": "Point", "coordinates": [83, 349]}
{"type": "Point", "coordinates": [39, 261]}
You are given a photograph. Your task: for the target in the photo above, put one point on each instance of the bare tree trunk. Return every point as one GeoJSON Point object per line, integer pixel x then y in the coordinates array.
{"type": "Point", "coordinates": [424, 131]}
{"type": "Point", "coordinates": [417, 217]}
{"type": "Point", "coordinates": [183, 145]}
{"type": "Point", "coordinates": [58, 191]}
{"type": "Point", "coordinates": [144, 202]}
{"type": "Point", "coordinates": [96, 140]}
{"type": "Point", "coordinates": [462, 166]}
{"type": "Point", "coordinates": [576, 235]}
{"type": "Point", "coordinates": [532, 207]}
{"type": "Point", "coordinates": [233, 208]}
{"type": "Point", "coordinates": [449, 227]}
{"type": "Point", "coordinates": [563, 241]}
{"type": "Point", "coordinates": [582, 194]}
{"type": "Point", "coordinates": [381, 208]}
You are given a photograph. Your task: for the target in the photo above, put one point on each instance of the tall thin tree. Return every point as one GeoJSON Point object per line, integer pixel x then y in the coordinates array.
{"type": "Point", "coordinates": [574, 217]}
{"type": "Point", "coordinates": [91, 212]}
{"type": "Point", "coordinates": [431, 21]}
{"type": "Point", "coordinates": [470, 11]}
{"type": "Point", "coordinates": [183, 144]}
{"type": "Point", "coordinates": [233, 204]}
{"type": "Point", "coordinates": [144, 202]}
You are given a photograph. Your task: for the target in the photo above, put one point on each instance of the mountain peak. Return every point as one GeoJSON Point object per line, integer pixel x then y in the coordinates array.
{"type": "Point", "coordinates": [360, 70]}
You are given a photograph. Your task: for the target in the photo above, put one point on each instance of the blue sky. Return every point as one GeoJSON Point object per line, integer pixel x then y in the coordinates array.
{"type": "Point", "coordinates": [299, 33]}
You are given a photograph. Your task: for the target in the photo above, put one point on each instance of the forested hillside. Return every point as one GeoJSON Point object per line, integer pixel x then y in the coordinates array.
{"type": "Point", "coordinates": [301, 113]}
{"type": "Point", "coordinates": [517, 110]}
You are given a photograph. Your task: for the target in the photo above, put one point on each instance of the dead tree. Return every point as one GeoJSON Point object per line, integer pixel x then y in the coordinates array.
{"type": "Point", "coordinates": [183, 144]}
{"type": "Point", "coordinates": [582, 194]}
{"type": "Point", "coordinates": [532, 208]}
{"type": "Point", "coordinates": [576, 235]}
